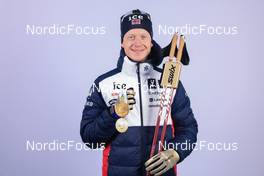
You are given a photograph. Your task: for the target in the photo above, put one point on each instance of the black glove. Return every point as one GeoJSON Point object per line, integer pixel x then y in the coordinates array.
{"type": "Point", "coordinates": [131, 97]}
{"type": "Point", "coordinates": [185, 56]}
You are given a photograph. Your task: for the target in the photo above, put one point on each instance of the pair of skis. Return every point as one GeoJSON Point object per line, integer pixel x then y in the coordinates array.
{"type": "Point", "coordinates": [169, 81]}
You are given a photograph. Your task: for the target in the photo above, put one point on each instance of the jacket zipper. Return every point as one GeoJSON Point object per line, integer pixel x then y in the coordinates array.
{"type": "Point", "coordinates": [141, 115]}
{"type": "Point", "coordinates": [140, 96]}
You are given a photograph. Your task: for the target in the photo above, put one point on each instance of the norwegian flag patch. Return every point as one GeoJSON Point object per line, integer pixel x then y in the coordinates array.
{"type": "Point", "coordinates": [135, 21]}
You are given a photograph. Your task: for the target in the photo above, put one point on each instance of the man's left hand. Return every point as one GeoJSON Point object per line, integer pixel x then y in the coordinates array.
{"type": "Point", "coordinates": [162, 162]}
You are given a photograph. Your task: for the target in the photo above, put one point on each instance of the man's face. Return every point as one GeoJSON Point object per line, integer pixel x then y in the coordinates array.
{"type": "Point", "coordinates": [137, 44]}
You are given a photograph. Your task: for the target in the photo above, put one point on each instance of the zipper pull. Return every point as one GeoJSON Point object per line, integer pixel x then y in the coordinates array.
{"type": "Point", "coordinates": [137, 67]}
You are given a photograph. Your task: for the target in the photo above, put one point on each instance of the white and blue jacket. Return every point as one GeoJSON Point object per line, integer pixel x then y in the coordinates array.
{"type": "Point", "coordinates": [125, 153]}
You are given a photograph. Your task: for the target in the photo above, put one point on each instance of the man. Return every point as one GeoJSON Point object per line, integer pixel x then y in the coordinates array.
{"type": "Point", "coordinates": [135, 81]}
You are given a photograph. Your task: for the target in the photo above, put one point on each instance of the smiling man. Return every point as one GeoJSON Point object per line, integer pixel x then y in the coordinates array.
{"type": "Point", "coordinates": [137, 44]}
{"type": "Point", "coordinates": [122, 110]}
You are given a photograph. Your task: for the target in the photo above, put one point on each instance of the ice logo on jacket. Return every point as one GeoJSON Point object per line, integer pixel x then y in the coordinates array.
{"type": "Point", "coordinates": [117, 89]}
{"type": "Point", "coordinates": [119, 86]}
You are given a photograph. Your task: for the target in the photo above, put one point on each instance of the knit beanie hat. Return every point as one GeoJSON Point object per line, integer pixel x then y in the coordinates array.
{"type": "Point", "coordinates": [135, 19]}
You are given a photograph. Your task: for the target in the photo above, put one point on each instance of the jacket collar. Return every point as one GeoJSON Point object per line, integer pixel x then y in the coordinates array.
{"type": "Point", "coordinates": [129, 67]}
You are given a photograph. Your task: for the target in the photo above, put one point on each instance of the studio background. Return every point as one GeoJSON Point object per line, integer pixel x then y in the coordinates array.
{"type": "Point", "coordinates": [45, 80]}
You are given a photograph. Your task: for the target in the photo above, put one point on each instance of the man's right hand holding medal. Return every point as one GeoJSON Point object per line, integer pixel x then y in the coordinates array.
{"type": "Point", "coordinates": [121, 108]}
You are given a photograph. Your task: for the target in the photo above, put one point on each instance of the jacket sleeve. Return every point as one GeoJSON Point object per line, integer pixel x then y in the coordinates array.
{"type": "Point", "coordinates": [97, 125]}
{"type": "Point", "coordinates": [185, 125]}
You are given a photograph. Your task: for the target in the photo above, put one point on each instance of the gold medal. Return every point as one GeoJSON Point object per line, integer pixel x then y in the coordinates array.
{"type": "Point", "coordinates": [121, 125]}
{"type": "Point", "coordinates": [121, 107]}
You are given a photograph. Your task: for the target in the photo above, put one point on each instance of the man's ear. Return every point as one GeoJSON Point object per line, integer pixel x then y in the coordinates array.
{"type": "Point", "coordinates": [122, 45]}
